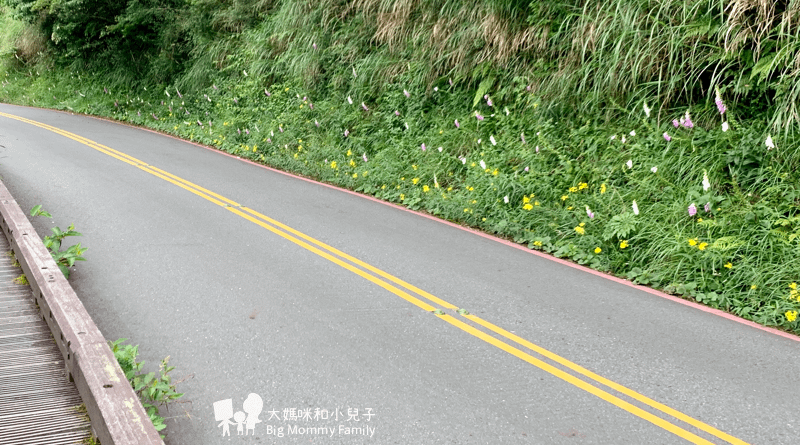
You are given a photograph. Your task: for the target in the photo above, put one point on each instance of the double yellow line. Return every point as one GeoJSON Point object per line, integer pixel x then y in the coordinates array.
{"type": "Point", "coordinates": [429, 303]}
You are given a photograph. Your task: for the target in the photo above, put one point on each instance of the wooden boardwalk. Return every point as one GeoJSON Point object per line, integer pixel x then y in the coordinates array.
{"type": "Point", "coordinates": [38, 403]}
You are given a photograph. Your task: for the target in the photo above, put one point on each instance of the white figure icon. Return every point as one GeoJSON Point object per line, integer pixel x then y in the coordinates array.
{"type": "Point", "coordinates": [223, 411]}
{"type": "Point", "coordinates": [239, 419]}
{"type": "Point", "coordinates": [252, 406]}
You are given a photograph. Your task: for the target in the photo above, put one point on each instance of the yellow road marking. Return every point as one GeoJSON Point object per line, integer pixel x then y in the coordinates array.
{"type": "Point", "coordinates": [281, 230]}
{"type": "Point", "coordinates": [569, 378]}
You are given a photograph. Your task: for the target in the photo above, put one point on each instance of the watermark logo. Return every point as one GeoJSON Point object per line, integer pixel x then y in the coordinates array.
{"type": "Point", "coordinates": [223, 413]}
{"type": "Point", "coordinates": [349, 421]}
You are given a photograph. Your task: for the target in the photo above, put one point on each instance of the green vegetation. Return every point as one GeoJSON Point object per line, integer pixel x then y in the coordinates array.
{"type": "Point", "coordinates": [63, 258]}
{"type": "Point", "coordinates": [154, 390]}
{"type": "Point", "coordinates": [652, 140]}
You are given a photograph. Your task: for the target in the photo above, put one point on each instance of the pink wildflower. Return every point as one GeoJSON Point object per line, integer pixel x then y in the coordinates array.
{"type": "Point", "coordinates": [478, 116]}
{"type": "Point", "coordinates": [675, 123]}
{"type": "Point", "coordinates": [707, 207]}
{"type": "Point", "coordinates": [692, 209]}
{"type": "Point", "coordinates": [396, 113]}
{"type": "Point", "coordinates": [267, 93]}
{"type": "Point", "coordinates": [457, 124]}
{"type": "Point", "coordinates": [720, 104]}
{"type": "Point", "coordinates": [423, 147]}
{"type": "Point", "coordinates": [667, 137]}
{"type": "Point", "coordinates": [406, 93]}
{"type": "Point", "coordinates": [346, 132]}
{"type": "Point", "coordinates": [687, 122]}
{"type": "Point", "coordinates": [364, 106]}
{"type": "Point", "coordinates": [522, 136]}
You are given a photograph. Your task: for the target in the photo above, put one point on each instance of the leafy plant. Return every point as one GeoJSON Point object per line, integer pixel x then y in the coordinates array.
{"type": "Point", "coordinates": [154, 389]}
{"type": "Point", "coordinates": [63, 258]}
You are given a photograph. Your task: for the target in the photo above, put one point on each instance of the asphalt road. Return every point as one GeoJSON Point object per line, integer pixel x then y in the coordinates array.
{"type": "Point", "coordinates": [242, 305]}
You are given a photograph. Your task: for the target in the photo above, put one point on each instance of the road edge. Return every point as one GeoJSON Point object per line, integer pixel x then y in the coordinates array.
{"type": "Point", "coordinates": [117, 416]}
{"type": "Point", "coordinates": [619, 280]}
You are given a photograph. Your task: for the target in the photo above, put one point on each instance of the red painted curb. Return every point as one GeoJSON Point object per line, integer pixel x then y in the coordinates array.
{"type": "Point", "coordinates": [622, 281]}
{"type": "Point", "coordinates": [116, 414]}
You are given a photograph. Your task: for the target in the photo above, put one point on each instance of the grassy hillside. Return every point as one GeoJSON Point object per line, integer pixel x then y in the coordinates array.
{"type": "Point", "coordinates": [652, 140]}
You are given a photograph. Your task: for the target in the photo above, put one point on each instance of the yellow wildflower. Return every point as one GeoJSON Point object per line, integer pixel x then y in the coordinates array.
{"type": "Point", "coordinates": [333, 164]}
{"type": "Point", "coordinates": [402, 196]}
{"type": "Point", "coordinates": [702, 246]}
{"type": "Point", "coordinates": [793, 286]}
{"type": "Point", "coordinates": [355, 175]}
{"type": "Point", "coordinates": [564, 197]}
{"type": "Point", "coordinates": [495, 172]}
{"type": "Point", "coordinates": [597, 250]}
{"type": "Point", "coordinates": [623, 244]}
{"type": "Point", "coordinates": [537, 243]}
{"type": "Point", "coordinates": [415, 181]}
{"type": "Point", "coordinates": [352, 163]}
{"type": "Point", "coordinates": [791, 315]}
{"type": "Point", "coordinates": [583, 186]}
{"type": "Point", "coordinates": [526, 200]}
{"type": "Point", "coordinates": [383, 187]}
{"type": "Point", "coordinates": [728, 265]}
{"type": "Point", "coordinates": [527, 207]}
{"type": "Point", "coordinates": [580, 230]}
{"type": "Point", "coordinates": [693, 242]}
{"type": "Point", "coordinates": [425, 188]}
{"type": "Point", "coordinates": [349, 153]}
{"type": "Point", "coordinates": [536, 203]}
{"type": "Point", "coordinates": [602, 188]}
{"type": "Point", "coordinates": [414, 166]}
{"type": "Point", "coordinates": [573, 189]}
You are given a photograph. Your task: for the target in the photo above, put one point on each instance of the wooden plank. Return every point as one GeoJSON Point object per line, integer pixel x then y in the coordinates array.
{"type": "Point", "coordinates": [116, 414]}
